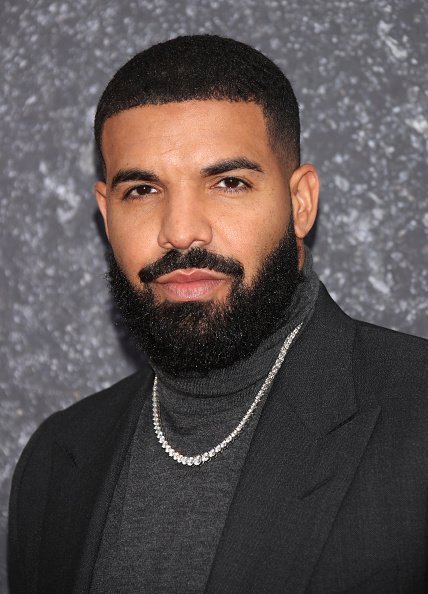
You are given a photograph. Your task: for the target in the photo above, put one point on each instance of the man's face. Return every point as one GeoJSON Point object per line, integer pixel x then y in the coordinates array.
{"type": "Point", "coordinates": [192, 174]}
{"type": "Point", "coordinates": [198, 213]}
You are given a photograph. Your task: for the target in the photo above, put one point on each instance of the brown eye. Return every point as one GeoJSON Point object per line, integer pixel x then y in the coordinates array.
{"type": "Point", "coordinates": [232, 184]}
{"type": "Point", "coordinates": [139, 191]}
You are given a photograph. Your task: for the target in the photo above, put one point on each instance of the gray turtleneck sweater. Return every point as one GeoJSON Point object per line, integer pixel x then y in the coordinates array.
{"type": "Point", "coordinates": [165, 519]}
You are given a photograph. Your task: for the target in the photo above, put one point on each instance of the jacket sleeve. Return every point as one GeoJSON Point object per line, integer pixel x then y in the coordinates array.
{"type": "Point", "coordinates": [27, 502]}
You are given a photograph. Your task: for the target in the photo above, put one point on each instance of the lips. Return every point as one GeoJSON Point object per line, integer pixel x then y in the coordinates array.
{"type": "Point", "coordinates": [191, 284]}
{"type": "Point", "coordinates": [190, 275]}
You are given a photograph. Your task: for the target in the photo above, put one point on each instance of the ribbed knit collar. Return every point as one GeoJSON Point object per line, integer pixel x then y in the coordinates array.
{"type": "Point", "coordinates": [247, 372]}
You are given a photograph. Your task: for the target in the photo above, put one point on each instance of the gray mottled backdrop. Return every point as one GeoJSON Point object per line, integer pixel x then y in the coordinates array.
{"type": "Point", "coordinates": [360, 73]}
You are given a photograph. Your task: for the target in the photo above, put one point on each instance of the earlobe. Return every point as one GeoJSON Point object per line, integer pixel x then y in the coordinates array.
{"type": "Point", "coordinates": [100, 190]}
{"type": "Point", "coordinates": [304, 186]}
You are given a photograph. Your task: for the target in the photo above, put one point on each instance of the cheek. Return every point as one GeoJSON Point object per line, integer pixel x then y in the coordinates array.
{"type": "Point", "coordinates": [253, 238]}
{"type": "Point", "coordinates": [132, 241]}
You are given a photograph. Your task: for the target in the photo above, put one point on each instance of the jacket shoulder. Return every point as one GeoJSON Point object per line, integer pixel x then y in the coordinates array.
{"type": "Point", "coordinates": [77, 430]}
{"type": "Point", "coordinates": [390, 347]}
{"type": "Point", "coordinates": [98, 410]}
{"type": "Point", "coordinates": [389, 367]}
{"type": "Point", "coordinates": [392, 365]}
{"type": "Point", "coordinates": [86, 422]}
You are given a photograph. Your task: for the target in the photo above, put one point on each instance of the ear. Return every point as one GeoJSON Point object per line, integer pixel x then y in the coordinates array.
{"type": "Point", "coordinates": [100, 190]}
{"type": "Point", "coordinates": [304, 188]}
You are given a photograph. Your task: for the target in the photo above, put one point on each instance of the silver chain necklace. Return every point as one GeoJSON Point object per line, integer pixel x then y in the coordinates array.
{"type": "Point", "coordinates": [201, 458]}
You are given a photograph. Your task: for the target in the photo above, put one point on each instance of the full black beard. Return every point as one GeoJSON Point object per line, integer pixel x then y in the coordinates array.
{"type": "Point", "coordinates": [181, 338]}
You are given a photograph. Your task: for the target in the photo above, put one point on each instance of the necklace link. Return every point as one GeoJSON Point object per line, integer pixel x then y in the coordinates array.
{"type": "Point", "coordinates": [199, 459]}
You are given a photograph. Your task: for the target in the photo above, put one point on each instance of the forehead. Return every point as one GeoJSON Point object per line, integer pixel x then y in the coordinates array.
{"type": "Point", "coordinates": [185, 133]}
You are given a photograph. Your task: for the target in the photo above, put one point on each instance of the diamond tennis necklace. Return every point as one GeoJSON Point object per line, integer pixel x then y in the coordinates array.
{"type": "Point", "coordinates": [208, 455]}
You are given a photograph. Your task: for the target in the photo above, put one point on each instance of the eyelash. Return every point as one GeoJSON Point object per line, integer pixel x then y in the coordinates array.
{"type": "Point", "coordinates": [127, 195]}
{"type": "Point", "coordinates": [245, 186]}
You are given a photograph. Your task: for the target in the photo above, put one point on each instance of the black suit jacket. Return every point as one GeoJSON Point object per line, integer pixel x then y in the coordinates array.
{"type": "Point", "coordinates": [332, 496]}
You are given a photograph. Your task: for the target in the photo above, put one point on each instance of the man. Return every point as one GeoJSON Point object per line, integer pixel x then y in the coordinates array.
{"type": "Point", "coordinates": [272, 444]}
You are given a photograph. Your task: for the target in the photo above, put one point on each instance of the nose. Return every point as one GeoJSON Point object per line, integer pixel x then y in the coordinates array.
{"type": "Point", "coordinates": [185, 222]}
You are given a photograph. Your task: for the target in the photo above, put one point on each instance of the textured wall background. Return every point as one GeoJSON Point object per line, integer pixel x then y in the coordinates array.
{"type": "Point", "coordinates": [360, 73]}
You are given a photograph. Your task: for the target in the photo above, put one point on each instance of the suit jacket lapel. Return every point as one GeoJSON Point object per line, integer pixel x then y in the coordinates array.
{"type": "Point", "coordinates": [307, 447]}
{"type": "Point", "coordinates": [86, 483]}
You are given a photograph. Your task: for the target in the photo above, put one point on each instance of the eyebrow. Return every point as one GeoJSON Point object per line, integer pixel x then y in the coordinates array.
{"type": "Point", "coordinates": [127, 175]}
{"type": "Point", "coordinates": [229, 165]}
{"type": "Point", "coordinates": [135, 174]}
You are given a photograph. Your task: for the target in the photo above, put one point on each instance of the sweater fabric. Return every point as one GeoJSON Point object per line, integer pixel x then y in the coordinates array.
{"type": "Point", "coordinates": [165, 519]}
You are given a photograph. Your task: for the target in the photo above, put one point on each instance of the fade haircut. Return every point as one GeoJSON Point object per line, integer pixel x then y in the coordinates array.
{"type": "Point", "coordinates": [203, 67]}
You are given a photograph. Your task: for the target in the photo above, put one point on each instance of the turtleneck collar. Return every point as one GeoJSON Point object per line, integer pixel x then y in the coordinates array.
{"type": "Point", "coordinates": [247, 372]}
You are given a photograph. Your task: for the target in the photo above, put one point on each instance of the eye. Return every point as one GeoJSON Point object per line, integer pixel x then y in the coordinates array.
{"type": "Point", "coordinates": [139, 191]}
{"type": "Point", "coordinates": [233, 184]}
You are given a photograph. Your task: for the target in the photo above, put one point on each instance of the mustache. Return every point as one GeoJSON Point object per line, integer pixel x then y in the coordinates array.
{"type": "Point", "coordinates": [194, 258]}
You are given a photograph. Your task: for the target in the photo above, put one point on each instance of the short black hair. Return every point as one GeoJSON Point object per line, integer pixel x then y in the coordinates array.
{"type": "Point", "coordinates": [203, 67]}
